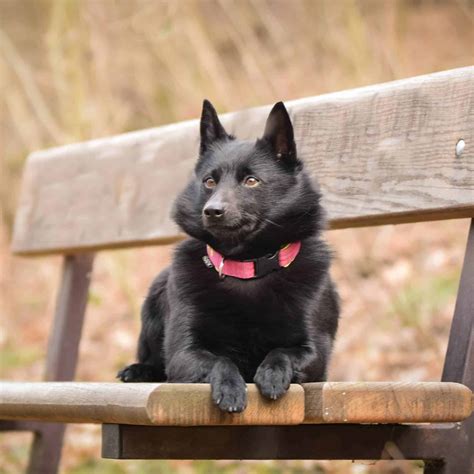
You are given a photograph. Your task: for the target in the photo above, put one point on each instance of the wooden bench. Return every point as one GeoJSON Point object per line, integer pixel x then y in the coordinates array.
{"type": "Point", "coordinates": [385, 154]}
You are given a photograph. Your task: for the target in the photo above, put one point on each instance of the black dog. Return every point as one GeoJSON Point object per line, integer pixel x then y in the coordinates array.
{"type": "Point", "coordinates": [273, 322]}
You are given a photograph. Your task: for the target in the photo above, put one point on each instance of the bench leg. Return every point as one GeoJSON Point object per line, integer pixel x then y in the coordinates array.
{"type": "Point", "coordinates": [45, 451]}
{"type": "Point", "coordinates": [63, 348]}
{"type": "Point", "coordinates": [459, 460]}
{"type": "Point", "coordinates": [460, 455]}
{"type": "Point", "coordinates": [459, 367]}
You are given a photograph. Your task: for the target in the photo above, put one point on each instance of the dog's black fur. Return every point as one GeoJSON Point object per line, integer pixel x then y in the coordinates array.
{"type": "Point", "coordinates": [274, 330]}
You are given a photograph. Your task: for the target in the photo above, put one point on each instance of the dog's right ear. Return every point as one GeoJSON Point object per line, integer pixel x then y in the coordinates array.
{"type": "Point", "coordinates": [211, 128]}
{"type": "Point", "coordinates": [279, 134]}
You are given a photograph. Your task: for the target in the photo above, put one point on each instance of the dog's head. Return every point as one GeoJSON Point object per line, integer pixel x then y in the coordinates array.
{"type": "Point", "coordinates": [248, 197]}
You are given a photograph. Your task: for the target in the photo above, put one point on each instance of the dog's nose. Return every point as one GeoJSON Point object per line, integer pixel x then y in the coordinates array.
{"type": "Point", "coordinates": [214, 212]}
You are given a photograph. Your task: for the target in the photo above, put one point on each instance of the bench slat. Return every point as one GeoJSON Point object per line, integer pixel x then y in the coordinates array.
{"type": "Point", "coordinates": [382, 154]}
{"type": "Point", "coordinates": [191, 405]}
{"type": "Point", "coordinates": [386, 402]}
{"type": "Point", "coordinates": [141, 404]}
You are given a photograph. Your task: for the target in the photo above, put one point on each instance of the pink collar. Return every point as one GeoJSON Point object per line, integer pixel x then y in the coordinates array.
{"type": "Point", "coordinates": [254, 268]}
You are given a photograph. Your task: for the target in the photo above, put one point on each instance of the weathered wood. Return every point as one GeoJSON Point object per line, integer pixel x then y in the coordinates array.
{"type": "Point", "coordinates": [145, 404]}
{"type": "Point", "coordinates": [459, 362]}
{"type": "Point", "coordinates": [45, 454]}
{"type": "Point", "coordinates": [65, 335]}
{"type": "Point", "coordinates": [281, 442]}
{"type": "Point", "coordinates": [382, 154]}
{"type": "Point", "coordinates": [20, 425]}
{"type": "Point", "coordinates": [191, 404]}
{"type": "Point", "coordinates": [61, 360]}
{"type": "Point", "coordinates": [75, 402]}
{"type": "Point", "coordinates": [386, 402]}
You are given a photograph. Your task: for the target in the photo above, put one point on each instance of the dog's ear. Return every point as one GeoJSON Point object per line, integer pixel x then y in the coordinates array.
{"type": "Point", "coordinates": [279, 133]}
{"type": "Point", "coordinates": [211, 128]}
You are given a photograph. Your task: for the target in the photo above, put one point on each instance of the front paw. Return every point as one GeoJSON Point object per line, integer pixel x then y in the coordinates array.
{"type": "Point", "coordinates": [229, 391]}
{"type": "Point", "coordinates": [137, 373]}
{"type": "Point", "coordinates": [273, 380]}
{"type": "Point", "coordinates": [229, 395]}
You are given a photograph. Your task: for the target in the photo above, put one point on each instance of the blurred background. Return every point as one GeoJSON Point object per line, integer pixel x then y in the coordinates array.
{"type": "Point", "coordinates": [71, 70]}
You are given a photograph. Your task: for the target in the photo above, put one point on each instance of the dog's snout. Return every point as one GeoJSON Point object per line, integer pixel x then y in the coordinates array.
{"type": "Point", "coordinates": [214, 211]}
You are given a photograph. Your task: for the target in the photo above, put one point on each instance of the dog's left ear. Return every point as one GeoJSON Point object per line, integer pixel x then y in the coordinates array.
{"type": "Point", "coordinates": [279, 133]}
{"type": "Point", "coordinates": [211, 127]}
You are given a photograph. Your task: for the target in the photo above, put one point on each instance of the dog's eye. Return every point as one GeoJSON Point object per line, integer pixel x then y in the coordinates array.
{"type": "Point", "coordinates": [251, 181]}
{"type": "Point", "coordinates": [209, 183]}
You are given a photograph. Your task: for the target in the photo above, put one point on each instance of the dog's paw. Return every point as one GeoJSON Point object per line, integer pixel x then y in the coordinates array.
{"type": "Point", "coordinates": [273, 380]}
{"type": "Point", "coordinates": [228, 388]}
{"type": "Point", "coordinates": [137, 373]}
{"type": "Point", "coordinates": [230, 394]}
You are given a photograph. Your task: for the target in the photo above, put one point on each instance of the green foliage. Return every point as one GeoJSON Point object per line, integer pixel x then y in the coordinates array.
{"type": "Point", "coordinates": [97, 466]}
{"type": "Point", "coordinates": [94, 298]}
{"type": "Point", "coordinates": [15, 458]}
{"type": "Point", "coordinates": [417, 302]}
{"type": "Point", "coordinates": [16, 356]}
{"type": "Point", "coordinates": [93, 466]}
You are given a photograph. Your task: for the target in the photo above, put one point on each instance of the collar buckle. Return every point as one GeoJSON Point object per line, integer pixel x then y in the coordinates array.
{"type": "Point", "coordinates": [267, 264]}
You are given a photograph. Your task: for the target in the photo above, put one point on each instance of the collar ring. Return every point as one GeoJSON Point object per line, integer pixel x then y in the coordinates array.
{"type": "Point", "coordinates": [221, 269]}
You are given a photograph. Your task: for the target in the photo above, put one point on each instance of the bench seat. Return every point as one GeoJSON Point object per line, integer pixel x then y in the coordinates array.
{"type": "Point", "coordinates": [191, 405]}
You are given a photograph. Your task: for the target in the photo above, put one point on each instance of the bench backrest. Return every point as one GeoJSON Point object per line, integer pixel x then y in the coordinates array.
{"type": "Point", "coordinates": [382, 154]}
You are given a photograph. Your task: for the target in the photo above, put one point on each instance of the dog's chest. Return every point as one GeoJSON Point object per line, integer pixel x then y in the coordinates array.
{"type": "Point", "coordinates": [245, 322]}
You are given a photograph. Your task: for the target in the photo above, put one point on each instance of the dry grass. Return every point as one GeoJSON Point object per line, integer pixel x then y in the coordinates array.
{"type": "Point", "coordinates": [72, 70]}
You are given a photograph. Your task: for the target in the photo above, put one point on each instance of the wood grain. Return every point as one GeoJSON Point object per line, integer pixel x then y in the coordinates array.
{"type": "Point", "coordinates": [386, 402]}
{"type": "Point", "coordinates": [191, 405]}
{"type": "Point", "coordinates": [382, 154]}
{"type": "Point", "coordinates": [75, 402]}
{"type": "Point", "coordinates": [141, 404]}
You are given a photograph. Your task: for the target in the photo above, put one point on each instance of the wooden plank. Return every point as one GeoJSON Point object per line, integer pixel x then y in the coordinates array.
{"type": "Point", "coordinates": [65, 336]}
{"type": "Point", "coordinates": [382, 154]}
{"type": "Point", "coordinates": [459, 361]}
{"type": "Point", "coordinates": [63, 348]}
{"type": "Point", "coordinates": [282, 442]}
{"type": "Point", "coordinates": [20, 425]}
{"type": "Point", "coordinates": [386, 402]}
{"type": "Point", "coordinates": [143, 404]}
{"type": "Point", "coordinates": [191, 405]}
{"type": "Point", "coordinates": [75, 402]}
